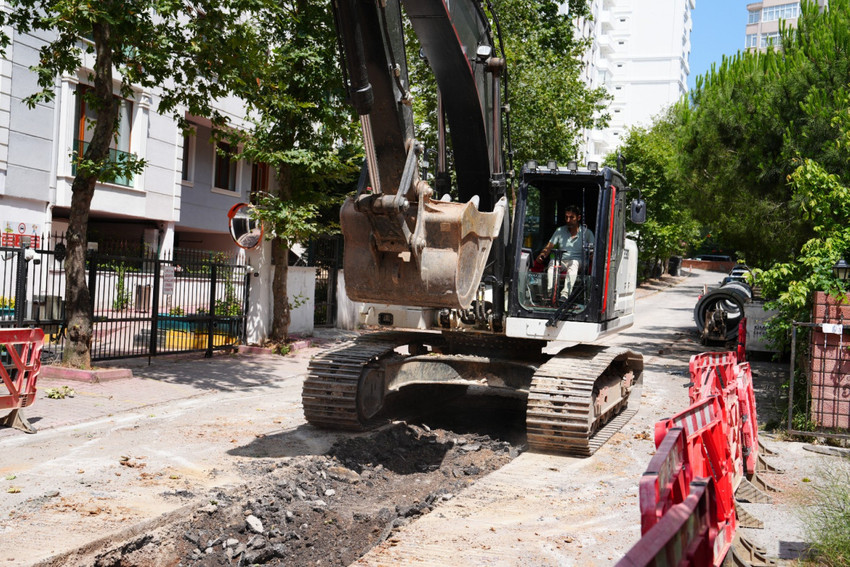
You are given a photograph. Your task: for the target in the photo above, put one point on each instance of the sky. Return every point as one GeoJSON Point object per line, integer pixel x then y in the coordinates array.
{"type": "Point", "coordinates": [718, 29]}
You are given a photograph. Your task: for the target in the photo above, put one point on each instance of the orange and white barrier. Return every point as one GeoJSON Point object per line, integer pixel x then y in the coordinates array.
{"type": "Point", "coordinates": [21, 361]}
{"type": "Point", "coordinates": [687, 494]}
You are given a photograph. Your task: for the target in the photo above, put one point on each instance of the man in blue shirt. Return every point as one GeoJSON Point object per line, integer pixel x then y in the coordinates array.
{"type": "Point", "coordinates": [569, 240]}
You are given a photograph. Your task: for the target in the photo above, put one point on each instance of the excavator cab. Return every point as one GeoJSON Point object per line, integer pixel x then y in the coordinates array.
{"type": "Point", "coordinates": [597, 284]}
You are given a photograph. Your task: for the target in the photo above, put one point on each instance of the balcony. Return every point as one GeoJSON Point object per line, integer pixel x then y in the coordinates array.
{"type": "Point", "coordinates": [115, 156]}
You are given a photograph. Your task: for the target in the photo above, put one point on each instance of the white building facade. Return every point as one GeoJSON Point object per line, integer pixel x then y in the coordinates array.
{"type": "Point", "coordinates": [639, 53]}
{"type": "Point", "coordinates": [180, 199]}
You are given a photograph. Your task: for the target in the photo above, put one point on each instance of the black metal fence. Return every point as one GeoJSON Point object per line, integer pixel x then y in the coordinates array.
{"type": "Point", "coordinates": [142, 305]}
{"type": "Point", "coordinates": [326, 255]}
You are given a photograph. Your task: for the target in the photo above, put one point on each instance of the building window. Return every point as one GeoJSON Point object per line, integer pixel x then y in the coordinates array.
{"type": "Point", "coordinates": [752, 40]}
{"type": "Point", "coordinates": [259, 180]}
{"type": "Point", "coordinates": [119, 147]}
{"type": "Point", "coordinates": [770, 39]}
{"type": "Point", "coordinates": [225, 167]}
{"type": "Point", "coordinates": [781, 12]}
{"type": "Point", "coordinates": [753, 17]}
{"type": "Point", "coordinates": [187, 173]}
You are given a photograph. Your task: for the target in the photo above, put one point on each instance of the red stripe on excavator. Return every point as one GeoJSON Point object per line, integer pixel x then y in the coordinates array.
{"type": "Point", "coordinates": [610, 243]}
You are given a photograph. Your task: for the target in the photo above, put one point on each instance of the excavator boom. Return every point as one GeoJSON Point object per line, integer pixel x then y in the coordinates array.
{"type": "Point", "coordinates": [403, 245]}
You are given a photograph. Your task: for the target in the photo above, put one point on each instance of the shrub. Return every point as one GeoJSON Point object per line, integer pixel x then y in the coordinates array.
{"type": "Point", "coordinates": [827, 520]}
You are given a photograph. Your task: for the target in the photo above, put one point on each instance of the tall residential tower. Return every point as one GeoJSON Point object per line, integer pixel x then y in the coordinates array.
{"type": "Point", "coordinates": [640, 55]}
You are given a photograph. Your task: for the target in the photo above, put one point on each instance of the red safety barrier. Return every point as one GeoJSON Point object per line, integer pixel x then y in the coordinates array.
{"type": "Point", "coordinates": [665, 482]}
{"type": "Point", "coordinates": [21, 357]}
{"type": "Point", "coordinates": [742, 339]}
{"type": "Point", "coordinates": [715, 439]}
{"type": "Point", "coordinates": [687, 535]}
{"type": "Point", "coordinates": [710, 373]}
{"type": "Point", "coordinates": [717, 374]}
{"type": "Point", "coordinates": [749, 418]}
{"type": "Point", "coordinates": [708, 452]}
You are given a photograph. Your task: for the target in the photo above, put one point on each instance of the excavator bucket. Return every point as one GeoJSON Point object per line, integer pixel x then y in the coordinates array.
{"type": "Point", "coordinates": [454, 241]}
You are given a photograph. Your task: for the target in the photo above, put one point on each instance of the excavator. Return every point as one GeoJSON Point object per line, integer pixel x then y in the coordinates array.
{"type": "Point", "coordinates": [448, 273]}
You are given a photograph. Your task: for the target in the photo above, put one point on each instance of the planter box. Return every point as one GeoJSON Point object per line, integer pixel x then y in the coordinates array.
{"type": "Point", "coordinates": [177, 323]}
{"type": "Point", "coordinates": [219, 339]}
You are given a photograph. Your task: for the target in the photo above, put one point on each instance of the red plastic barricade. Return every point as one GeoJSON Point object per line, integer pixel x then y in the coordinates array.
{"type": "Point", "coordinates": [665, 482]}
{"type": "Point", "coordinates": [711, 372]}
{"type": "Point", "coordinates": [714, 440]}
{"type": "Point", "coordinates": [742, 340]}
{"type": "Point", "coordinates": [686, 536]}
{"type": "Point", "coordinates": [706, 444]}
{"type": "Point", "coordinates": [21, 357]}
{"type": "Point", "coordinates": [749, 419]}
{"type": "Point", "coordinates": [717, 374]}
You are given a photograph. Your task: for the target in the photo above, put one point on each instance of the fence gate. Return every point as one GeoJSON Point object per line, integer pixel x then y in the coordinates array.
{"type": "Point", "coordinates": [141, 305]}
{"type": "Point", "coordinates": [326, 255]}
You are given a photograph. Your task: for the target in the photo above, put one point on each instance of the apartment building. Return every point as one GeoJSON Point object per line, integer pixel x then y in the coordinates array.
{"type": "Point", "coordinates": [179, 200]}
{"type": "Point", "coordinates": [763, 21]}
{"type": "Point", "coordinates": [640, 54]}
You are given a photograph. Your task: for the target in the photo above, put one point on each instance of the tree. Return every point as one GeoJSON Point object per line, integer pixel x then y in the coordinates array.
{"type": "Point", "coordinates": [189, 53]}
{"type": "Point", "coordinates": [650, 158]}
{"type": "Point", "coordinates": [550, 104]}
{"type": "Point", "coordinates": [749, 122]}
{"type": "Point", "coordinates": [304, 130]}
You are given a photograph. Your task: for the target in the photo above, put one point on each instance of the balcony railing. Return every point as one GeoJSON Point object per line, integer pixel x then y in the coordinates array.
{"type": "Point", "coordinates": [115, 156]}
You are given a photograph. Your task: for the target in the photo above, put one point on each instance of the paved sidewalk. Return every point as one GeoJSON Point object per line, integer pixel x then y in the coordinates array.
{"type": "Point", "coordinates": [165, 379]}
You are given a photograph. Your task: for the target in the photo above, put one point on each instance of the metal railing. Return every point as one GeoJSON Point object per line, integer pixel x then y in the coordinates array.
{"type": "Point", "coordinates": [142, 305]}
{"type": "Point", "coordinates": [115, 156]}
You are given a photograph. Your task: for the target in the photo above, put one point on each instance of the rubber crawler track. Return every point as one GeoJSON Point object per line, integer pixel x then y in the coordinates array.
{"type": "Point", "coordinates": [560, 401]}
{"type": "Point", "coordinates": [329, 394]}
{"type": "Point", "coordinates": [559, 407]}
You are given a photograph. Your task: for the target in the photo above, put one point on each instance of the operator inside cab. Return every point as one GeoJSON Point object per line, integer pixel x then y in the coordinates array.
{"type": "Point", "coordinates": [566, 248]}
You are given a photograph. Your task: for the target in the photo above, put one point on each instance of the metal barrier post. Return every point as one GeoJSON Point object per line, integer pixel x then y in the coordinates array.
{"type": "Point", "coordinates": [213, 282]}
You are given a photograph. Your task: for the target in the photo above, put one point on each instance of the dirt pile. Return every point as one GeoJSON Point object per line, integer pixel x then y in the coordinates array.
{"type": "Point", "coordinates": [321, 510]}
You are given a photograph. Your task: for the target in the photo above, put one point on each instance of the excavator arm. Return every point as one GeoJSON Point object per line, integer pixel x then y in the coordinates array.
{"type": "Point", "coordinates": [402, 246]}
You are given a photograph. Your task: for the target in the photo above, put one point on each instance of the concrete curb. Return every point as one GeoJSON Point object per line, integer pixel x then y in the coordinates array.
{"type": "Point", "coordinates": [93, 376]}
{"type": "Point", "coordinates": [265, 351]}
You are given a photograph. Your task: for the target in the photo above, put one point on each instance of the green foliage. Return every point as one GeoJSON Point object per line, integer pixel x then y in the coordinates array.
{"type": "Point", "coordinates": [790, 286]}
{"type": "Point", "coordinates": [282, 349]}
{"type": "Point", "coordinates": [230, 306]}
{"type": "Point", "coordinates": [60, 393]}
{"type": "Point", "coordinates": [288, 220]}
{"type": "Point", "coordinates": [751, 120]}
{"type": "Point", "coordinates": [303, 127]}
{"type": "Point", "coordinates": [176, 311]}
{"type": "Point", "coordinates": [650, 159]}
{"type": "Point", "coordinates": [123, 297]}
{"type": "Point", "coordinates": [827, 518]}
{"type": "Point", "coordinates": [550, 102]}
{"type": "Point", "coordinates": [7, 302]}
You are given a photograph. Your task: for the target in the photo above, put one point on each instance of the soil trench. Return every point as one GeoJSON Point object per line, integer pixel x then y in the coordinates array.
{"type": "Point", "coordinates": [316, 510]}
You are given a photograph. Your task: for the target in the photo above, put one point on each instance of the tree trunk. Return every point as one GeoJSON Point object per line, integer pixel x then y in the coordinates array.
{"type": "Point", "coordinates": [281, 315]}
{"type": "Point", "coordinates": [78, 306]}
